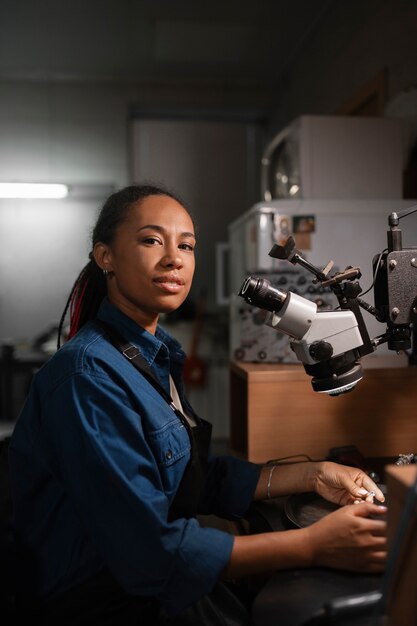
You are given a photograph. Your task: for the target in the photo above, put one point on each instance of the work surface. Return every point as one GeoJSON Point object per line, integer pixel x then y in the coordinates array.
{"type": "Point", "coordinates": [292, 597]}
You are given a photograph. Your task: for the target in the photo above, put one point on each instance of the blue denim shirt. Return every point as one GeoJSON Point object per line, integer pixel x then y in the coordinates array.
{"type": "Point", "coordinates": [96, 458]}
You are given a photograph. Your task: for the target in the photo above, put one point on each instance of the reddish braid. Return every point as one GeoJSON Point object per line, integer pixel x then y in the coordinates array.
{"type": "Point", "coordinates": [84, 300]}
{"type": "Point", "coordinates": [75, 306]}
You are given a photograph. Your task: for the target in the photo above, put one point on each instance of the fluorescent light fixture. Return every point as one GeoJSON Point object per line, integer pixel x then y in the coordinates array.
{"type": "Point", "coordinates": [33, 190]}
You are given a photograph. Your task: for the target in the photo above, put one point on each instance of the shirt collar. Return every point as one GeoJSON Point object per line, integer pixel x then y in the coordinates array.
{"type": "Point", "coordinates": [150, 345]}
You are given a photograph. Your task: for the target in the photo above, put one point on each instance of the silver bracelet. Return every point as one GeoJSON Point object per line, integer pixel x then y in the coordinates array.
{"type": "Point", "coordinates": [268, 487]}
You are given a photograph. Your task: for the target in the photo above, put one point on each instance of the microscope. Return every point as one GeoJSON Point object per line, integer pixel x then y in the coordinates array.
{"type": "Point", "coordinates": [331, 344]}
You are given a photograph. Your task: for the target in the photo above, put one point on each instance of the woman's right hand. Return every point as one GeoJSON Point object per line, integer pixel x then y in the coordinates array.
{"type": "Point", "coordinates": [346, 539]}
{"type": "Point", "coordinates": [349, 539]}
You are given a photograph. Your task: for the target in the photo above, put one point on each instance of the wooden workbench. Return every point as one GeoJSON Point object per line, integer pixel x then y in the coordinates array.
{"type": "Point", "coordinates": [275, 413]}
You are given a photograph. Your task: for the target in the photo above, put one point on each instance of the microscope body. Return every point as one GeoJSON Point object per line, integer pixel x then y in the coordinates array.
{"type": "Point", "coordinates": [315, 335]}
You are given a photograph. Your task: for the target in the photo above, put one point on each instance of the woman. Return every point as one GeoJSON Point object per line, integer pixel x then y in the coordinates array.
{"type": "Point", "coordinates": [110, 466]}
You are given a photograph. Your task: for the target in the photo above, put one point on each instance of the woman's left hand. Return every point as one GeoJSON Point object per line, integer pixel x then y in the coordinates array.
{"type": "Point", "coordinates": [342, 484]}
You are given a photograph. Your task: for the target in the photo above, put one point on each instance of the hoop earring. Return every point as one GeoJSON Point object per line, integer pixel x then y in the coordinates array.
{"type": "Point", "coordinates": [105, 272]}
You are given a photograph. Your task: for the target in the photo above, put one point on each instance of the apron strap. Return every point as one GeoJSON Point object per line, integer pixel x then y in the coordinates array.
{"type": "Point", "coordinates": [132, 354]}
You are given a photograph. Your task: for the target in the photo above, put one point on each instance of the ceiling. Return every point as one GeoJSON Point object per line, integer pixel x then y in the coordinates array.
{"type": "Point", "coordinates": [155, 41]}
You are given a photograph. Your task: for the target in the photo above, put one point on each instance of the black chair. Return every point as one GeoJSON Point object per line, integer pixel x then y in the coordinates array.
{"type": "Point", "coordinates": [317, 597]}
{"type": "Point", "coordinates": [355, 610]}
{"type": "Point", "coordinates": [17, 567]}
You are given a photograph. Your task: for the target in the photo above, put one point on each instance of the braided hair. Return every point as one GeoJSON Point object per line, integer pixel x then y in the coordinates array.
{"type": "Point", "coordinates": [90, 287]}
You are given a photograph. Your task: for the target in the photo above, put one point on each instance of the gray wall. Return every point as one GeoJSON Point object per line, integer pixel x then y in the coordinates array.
{"type": "Point", "coordinates": [43, 246]}
{"type": "Point", "coordinates": [73, 132]}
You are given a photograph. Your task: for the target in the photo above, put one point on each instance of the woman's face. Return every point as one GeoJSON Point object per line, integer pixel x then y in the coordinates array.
{"type": "Point", "coordinates": [151, 260]}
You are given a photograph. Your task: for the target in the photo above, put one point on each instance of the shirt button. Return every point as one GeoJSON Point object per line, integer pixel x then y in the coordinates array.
{"type": "Point", "coordinates": [168, 455]}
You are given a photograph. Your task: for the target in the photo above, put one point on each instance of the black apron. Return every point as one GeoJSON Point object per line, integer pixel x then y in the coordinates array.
{"type": "Point", "coordinates": [100, 601]}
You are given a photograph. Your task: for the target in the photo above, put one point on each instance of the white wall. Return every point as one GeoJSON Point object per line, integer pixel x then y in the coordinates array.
{"type": "Point", "coordinates": [43, 246]}
{"type": "Point", "coordinates": [69, 133]}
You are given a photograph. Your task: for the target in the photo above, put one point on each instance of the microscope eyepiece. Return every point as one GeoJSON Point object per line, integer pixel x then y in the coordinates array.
{"type": "Point", "coordinates": [259, 292]}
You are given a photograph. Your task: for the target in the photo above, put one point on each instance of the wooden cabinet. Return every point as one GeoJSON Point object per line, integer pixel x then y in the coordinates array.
{"type": "Point", "coordinates": [275, 413]}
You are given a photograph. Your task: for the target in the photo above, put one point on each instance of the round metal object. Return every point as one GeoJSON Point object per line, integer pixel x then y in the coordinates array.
{"type": "Point", "coordinates": [304, 509]}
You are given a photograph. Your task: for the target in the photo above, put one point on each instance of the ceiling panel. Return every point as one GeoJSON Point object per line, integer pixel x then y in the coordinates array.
{"type": "Point", "coordinates": [158, 40]}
